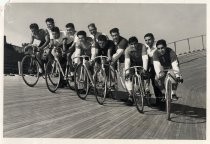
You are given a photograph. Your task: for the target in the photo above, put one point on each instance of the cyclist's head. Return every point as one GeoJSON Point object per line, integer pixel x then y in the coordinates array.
{"type": "Point", "coordinates": [161, 46]}
{"type": "Point", "coordinates": [149, 39]}
{"type": "Point", "coordinates": [81, 35]}
{"type": "Point", "coordinates": [34, 28]}
{"type": "Point", "coordinates": [70, 28]}
{"type": "Point", "coordinates": [50, 23]}
{"type": "Point", "coordinates": [92, 29]}
{"type": "Point", "coordinates": [133, 42]}
{"type": "Point", "coordinates": [102, 39]}
{"type": "Point", "coordinates": [55, 32]}
{"type": "Point", "coordinates": [115, 34]}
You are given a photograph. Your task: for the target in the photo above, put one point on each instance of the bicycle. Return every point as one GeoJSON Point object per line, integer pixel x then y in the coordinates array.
{"type": "Point", "coordinates": [54, 74]}
{"type": "Point", "coordinates": [168, 90]}
{"type": "Point", "coordinates": [103, 80]}
{"type": "Point", "coordinates": [138, 88]}
{"type": "Point", "coordinates": [30, 66]}
{"type": "Point", "coordinates": [82, 78]}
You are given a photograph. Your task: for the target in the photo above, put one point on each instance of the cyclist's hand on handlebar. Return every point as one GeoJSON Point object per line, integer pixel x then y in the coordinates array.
{"type": "Point", "coordinates": [127, 76]}
{"type": "Point", "coordinates": [179, 80]}
{"type": "Point", "coordinates": [161, 74]}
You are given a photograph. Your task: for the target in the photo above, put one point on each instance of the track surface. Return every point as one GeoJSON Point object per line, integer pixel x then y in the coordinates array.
{"type": "Point", "coordinates": [37, 113]}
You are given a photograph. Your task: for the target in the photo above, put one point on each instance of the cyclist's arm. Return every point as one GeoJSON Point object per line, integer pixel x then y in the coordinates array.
{"type": "Point", "coordinates": [77, 53]}
{"type": "Point", "coordinates": [144, 57]}
{"type": "Point", "coordinates": [127, 60]}
{"type": "Point", "coordinates": [32, 39]}
{"type": "Point", "coordinates": [64, 45]}
{"type": "Point", "coordinates": [109, 53]}
{"type": "Point", "coordinates": [117, 55]}
{"type": "Point", "coordinates": [157, 65]}
{"type": "Point", "coordinates": [94, 52]}
{"type": "Point", "coordinates": [175, 67]}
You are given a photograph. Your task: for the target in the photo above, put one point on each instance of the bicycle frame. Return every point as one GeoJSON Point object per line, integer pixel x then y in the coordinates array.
{"type": "Point", "coordinates": [83, 63]}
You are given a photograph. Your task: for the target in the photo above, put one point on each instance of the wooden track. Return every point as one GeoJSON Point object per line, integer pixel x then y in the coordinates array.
{"type": "Point", "coordinates": [37, 113]}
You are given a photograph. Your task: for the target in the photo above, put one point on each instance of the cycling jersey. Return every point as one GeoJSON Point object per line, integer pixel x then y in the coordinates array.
{"type": "Point", "coordinates": [85, 47]}
{"type": "Point", "coordinates": [135, 55]}
{"type": "Point", "coordinates": [150, 52]}
{"type": "Point", "coordinates": [167, 59]}
{"type": "Point", "coordinates": [104, 51]}
{"type": "Point", "coordinates": [40, 36]}
{"type": "Point", "coordinates": [71, 38]}
{"type": "Point", "coordinates": [59, 41]}
{"type": "Point", "coordinates": [96, 36]}
{"type": "Point", "coordinates": [122, 44]}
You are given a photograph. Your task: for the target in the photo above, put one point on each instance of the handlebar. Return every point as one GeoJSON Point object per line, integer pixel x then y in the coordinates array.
{"type": "Point", "coordinates": [83, 57]}
{"type": "Point", "coordinates": [135, 68]}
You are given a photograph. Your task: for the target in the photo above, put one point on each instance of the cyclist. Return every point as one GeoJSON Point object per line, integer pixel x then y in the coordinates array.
{"type": "Point", "coordinates": [43, 39]}
{"type": "Point", "coordinates": [72, 38]}
{"type": "Point", "coordinates": [50, 24]}
{"type": "Point", "coordinates": [166, 58]}
{"type": "Point", "coordinates": [94, 33]}
{"type": "Point", "coordinates": [151, 48]}
{"type": "Point", "coordinates": [85, 46]}
{"type": "Point", "coordinates": [135, 55]}
{"type": "Point", "coordinates": [59, 48]}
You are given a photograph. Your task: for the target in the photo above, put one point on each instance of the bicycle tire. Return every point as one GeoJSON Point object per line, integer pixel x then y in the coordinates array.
{"type": "Point", "coordinates": [100, 83]}
{"type": "Point", "coordinates": [112, 77]}
{"type": "Point", "coordinates": [30, 70]}
{"type": "Point", "coordinates": [81, 82]}
{"type": "Point", "coordinates": [138, 93]}
{"type": "Point", "coordinates": [168, 97]}
{"type": "Point", "coordinates": [52, 75]}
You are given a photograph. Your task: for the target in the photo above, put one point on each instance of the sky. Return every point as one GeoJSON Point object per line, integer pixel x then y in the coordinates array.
{"type": "Point", "coordinates": [166, 21]}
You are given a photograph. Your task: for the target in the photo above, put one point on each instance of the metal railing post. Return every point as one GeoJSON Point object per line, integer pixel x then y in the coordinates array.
{"type": "Point", "coordinates": [175, 46]}
{"type": "Point", "coordinates": [202, 41]}
{"type": "Point", "coordinates": [188, 40]}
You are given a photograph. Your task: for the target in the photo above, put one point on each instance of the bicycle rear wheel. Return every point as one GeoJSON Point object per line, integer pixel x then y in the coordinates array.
{"type": "Point", "coordinates": [100, 82]}
{"type": "Point", "coordinates": [52, 75]}
{"type": "Point", "coordinates": [81, 81]}
{"type": "Point", "coordinates": [138, 93]}
{"type": "Point", "coordinates": [168, 97]}
{"type": "Point", "coordinates": [30, 70]}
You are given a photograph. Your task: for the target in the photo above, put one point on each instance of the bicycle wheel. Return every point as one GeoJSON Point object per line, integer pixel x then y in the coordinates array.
{"type": "Point", "coordinates": [112, 82]}
{"type": "Point", "coordinates": [81, 81]}
{"type": "Point", "coordinates": [52, 75]}
{"type": "Point", "coordinates": [168, 97]}
{"type": "Point", "coordinates": [69, 80]}
{"type": "Point", "coordinates": [100, 82]}
{"type": "Point", "coordinates": [138, 93]}
{"type": "Point", "coordinates": [30, 70]}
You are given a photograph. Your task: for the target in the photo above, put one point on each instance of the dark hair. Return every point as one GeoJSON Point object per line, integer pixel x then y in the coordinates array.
{"type": "Point", "coordinates": [55, 29]}
{"type": "Point", "coordinates": [114, 30]}
{"type": "Point", "coordinates": [34, 26]}
{"type": "Point", "coordinates": [102, 38]}
{"type": "Point", "coordinates": [81, 33]}
{"type": "Point", "coordinates": [132, 40]}
{"type": "Point", "coordinates": [161, 42]}
{"type": "Point", "coordinates": [92, 25]}
{"type": "Point", "coordinates": [149, 35]}
{"type": "Point", "coordinates": [71, 25]}
{"type": "Point", "coordinates": [49, 20]}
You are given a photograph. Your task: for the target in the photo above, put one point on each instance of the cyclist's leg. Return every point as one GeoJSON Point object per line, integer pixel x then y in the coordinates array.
{"type": "Point", "coordinates": [39, 58]}
{"type": "Point", "coordinates": [174, 83]}
{"type": "Point", "coordinates": [89, 68]}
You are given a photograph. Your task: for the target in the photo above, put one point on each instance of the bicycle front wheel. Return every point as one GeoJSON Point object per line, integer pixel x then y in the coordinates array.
{"type": "Point", "coordinates": [81, 81]}
{"type": "Point", "coordinates": [52, 75]}
{"type": "Point", "coordinates": [138, 93]}
{"type": "Point", "coordinates": [69, 80]}
{"type": "Point", "coordinates": [30, 70]}
{"type": "Point", "coordinates": [100, 82]}
{"type": "Point", "coordinates": [168, 97]}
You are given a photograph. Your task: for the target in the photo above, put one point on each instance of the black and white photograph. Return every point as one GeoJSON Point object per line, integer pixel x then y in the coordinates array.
{"type": "Point", "coordinates": [100, 70]}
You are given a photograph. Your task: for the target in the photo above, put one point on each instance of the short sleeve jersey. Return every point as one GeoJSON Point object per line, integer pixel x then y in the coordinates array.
{"type": "Point", "coordinates": [104, 51]}
{"type": "Point", "coordinates": [40, 35]}
{"type": "Point", "coordinates": [59, 41]}
{"type": "Point", "coordinates": [150, 52]}
{"type": "Point", "coordinates": [71, 38]}
{"type": "Point", "coordinates": [166, 59]}
{"type": "Point", "coordinates": [123, 43]}
{"type": "Point", "coordinates": [135, 54]}
{"type": "Point", "coordinates": [85, 46]}
{"type": "Point", "coordinates": [50, 33]}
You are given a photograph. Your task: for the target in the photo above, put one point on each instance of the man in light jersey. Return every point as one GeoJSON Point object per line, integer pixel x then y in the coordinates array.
{"type": "Point", "coordinates": [135, 55]}
{"type": "Point", "coordinates": [85, 46]}
{"type": "Point", "coordinates": [166, 58]}
{"type": "Point", "coordinates": [50, 24]}
{"type": "Point", "coordinates": [43, 39]}
{"type": "Point", "coordinates": [71, 36]}
{"type": "Point", "coordinates": [151, 48]}
{"type": "Point", "coordinates": [94, 33]}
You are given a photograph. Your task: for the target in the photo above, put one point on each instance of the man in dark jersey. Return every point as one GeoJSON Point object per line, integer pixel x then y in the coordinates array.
{"type": "Point", "coordinates": [135, 55]}
{"type": "Point", "coordinates": [166, 58]}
